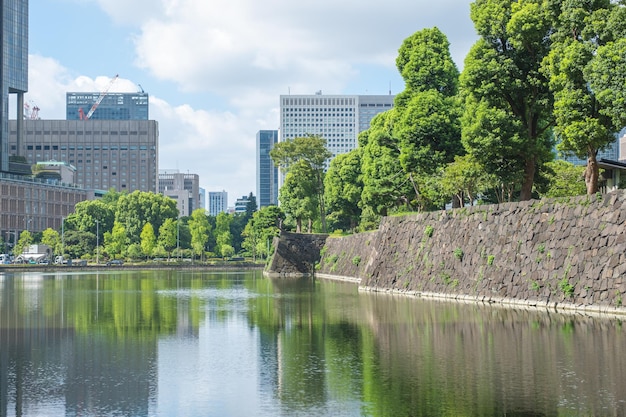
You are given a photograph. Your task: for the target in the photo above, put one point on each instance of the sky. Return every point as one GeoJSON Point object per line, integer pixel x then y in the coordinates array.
{"type": "Point", "coordinates": [214, 69]}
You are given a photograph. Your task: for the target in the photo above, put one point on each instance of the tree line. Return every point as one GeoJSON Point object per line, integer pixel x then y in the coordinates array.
{"type": "Point", "coordinates": [544, 77]}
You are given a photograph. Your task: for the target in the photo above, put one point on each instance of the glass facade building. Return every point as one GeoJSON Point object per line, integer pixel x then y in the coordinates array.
{"type": "Point", "coordinates": [114, 106]}
{"type": "Point", "coordinates": [266, 172]}
{"type": "Point", "coordinates": [14, 67]}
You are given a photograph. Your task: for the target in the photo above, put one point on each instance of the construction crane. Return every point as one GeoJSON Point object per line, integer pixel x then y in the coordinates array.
{"type": "Point", "coordinates": [98, 101]}
{"type": "Point", "coordinates": [31, 113]}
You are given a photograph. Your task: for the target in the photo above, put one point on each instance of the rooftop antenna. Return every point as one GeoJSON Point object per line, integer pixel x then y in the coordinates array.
{"type": "Point", "coordinates": [141, 88]}
{"type": "Point", "coordinates": [389, 87]}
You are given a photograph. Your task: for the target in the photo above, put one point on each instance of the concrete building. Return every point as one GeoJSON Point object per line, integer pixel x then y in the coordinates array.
{"type": "Point", "coordinates": [202, 201]}
{"type": "Point", "coordinates": [218, 202]}
{"type": "Point", "coordinates": [337, 118]}
{"type": "Point", "coordinates": [241, 204]}
{"type": "Point", "coordinates": [184, 188]}
{"type": "Point", "coordinates": [34, 205]}
{"type": "Point", "coordinates": [266, 172]}
{"type": "Point", "coordinates": [114, 106]}
{"type": "Point", "coordinates": [13, 68]}
{"type": "Point", "coordinates": [118, 154]}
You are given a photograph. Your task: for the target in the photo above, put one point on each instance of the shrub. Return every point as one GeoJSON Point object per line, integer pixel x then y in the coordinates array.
{"type": "Point", "coordinates": [458, 254]}
{"type": "Point", "coordinates": [356, 260]}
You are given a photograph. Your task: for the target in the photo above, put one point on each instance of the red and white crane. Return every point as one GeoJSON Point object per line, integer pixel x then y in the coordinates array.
{"type": "Point", "coordinates": [104, 92]}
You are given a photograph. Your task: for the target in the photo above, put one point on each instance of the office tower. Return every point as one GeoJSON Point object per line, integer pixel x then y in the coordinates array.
{"type": "Point", "coordinates": [337, 118]}
{"type": "Point", "coordinates": [202, 197]}
{"type": "Point", "coordinates": [241, 204]}
{"type": "Point", "coordinates": [184, 188]}
{"type": "Point", "coordinates": [218, 202]}
{"type": "Point", "coordinates": [13, 69]}
{"type": "Point", "coordinates": [113, 106]}
{"type": "Point", "coordinates": [266, 172]}
{"type": "Point", "coordinates": [118, 154]}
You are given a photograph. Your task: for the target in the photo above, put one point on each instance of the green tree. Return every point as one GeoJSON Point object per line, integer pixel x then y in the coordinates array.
{"type": "Point", "coordinates": [200, 228]}
{"type": "Point", "coordinates": [116, 241]}
{"type": "Point", "coordinates": [465, 179]}
{"type": "Point", "coordinates": [87, 213]}
{"type": "Point", "coordinates": [587, 76]}
{"type": "Point", "coordinates": [508, 117]}
{"type": "Point", "coordinates": [298, 195]}
{"type": "Point", "coordinates": [52, 238]}
{"type": "Point", "coordinates": [222, 232]}
{"type": "Point", "coordinates": [343, 186]}
{"type": "Point", "coordinates": [148, 240]}
{"type": "Point", "coordinates": [78, 243]}
{"type": "Point", "coordinates": [261, 229]}
{"type": "Point", "coordinates": [25, 240]}
{"type": "Point", "coordinates": [385, 184]}
{"type": "Point", "coordinates": [564, 180]}
{"type": "Point", "coordinates": [138, 208]}
{"type": "Point", "coordinates": [168, 236]}
{"type": "Point", "coordinates": [310, 151]}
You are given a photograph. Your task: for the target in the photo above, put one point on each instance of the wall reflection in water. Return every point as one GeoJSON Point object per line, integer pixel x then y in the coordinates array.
{"type": "Point", "coordinates": [213, 343]}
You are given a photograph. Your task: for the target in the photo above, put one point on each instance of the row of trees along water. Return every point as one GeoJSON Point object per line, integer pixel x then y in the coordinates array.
{"type": "Point", "coordinates": [145, 225]}
{"type": "Point", "coordinates": [545, 76]}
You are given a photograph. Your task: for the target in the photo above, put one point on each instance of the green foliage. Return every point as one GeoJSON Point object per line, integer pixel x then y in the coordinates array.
{"type": "Point", "coordinates": [508, 104]}
{"type": "Point", "coordinates": [490, 259]}
{"type": "Point", "coordinates": [200, 229]}
{"type": "Point", "coordinates": [148, 240]}
{"type": "Point", "coordinates": [566, 287]}
{"type": "Point", "coordinates": [535, 286]}
{"type": "Point", "coordinates": [308, 154]}
{"type": "Point", "coordinates": [25, 240]}
{"type": "Point", "coordinates": [298, 195]}
{"type": "Point", "coordinates": [458, 254]}
{"type": "Point", "coordinates": [428, 231]}
{"type": "Point", "coordinates": [52, 238]}
{"type": "Point", "coordinates": [343, 186]}
{"type": "Point", "coordinates": [356, 260]}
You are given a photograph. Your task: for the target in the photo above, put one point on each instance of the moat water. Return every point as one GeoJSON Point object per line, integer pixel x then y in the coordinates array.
{"type": "Point", "coordinates": [188, 343]}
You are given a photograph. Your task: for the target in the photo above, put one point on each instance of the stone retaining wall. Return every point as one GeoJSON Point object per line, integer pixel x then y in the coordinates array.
{"type": "Point", "coordinates": [295, 254]}
{"type": "Point", "coordinates": [566, 253]}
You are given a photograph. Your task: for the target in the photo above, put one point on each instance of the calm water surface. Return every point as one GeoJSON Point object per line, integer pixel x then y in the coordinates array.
{"type": "Point", "coordinates": [174, 343]}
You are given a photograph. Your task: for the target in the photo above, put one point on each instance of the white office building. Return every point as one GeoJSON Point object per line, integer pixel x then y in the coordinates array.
{"type": "Point", "coordinates": [337, 118]}
{"type": "Point", "coordinates": [218, 202]}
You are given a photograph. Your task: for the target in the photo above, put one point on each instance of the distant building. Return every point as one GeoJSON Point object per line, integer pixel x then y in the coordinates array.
{"type": "Point", "coordinates": [54, 171]}
{"type": "Point", "coordinates": [266, 172]}
{"type": "Point", "coordinates": [118, 154]}
{"type": "Point", "coordinates": [35, 205]}
{"type": "Point", "coordinates": [218, 202]}
{"type": "Point", "coordinates": [114, 106]}
{"type": "Point", "coordinates": [337, 118]}
{"type": "Point", "coordinates": [241, 204]}
{"type": "Point", "coordinates": [13, 69]}
{"type": "Point", "coordinates": [202, 197]}
{"type": "Point", "coordinates": [184, 188]}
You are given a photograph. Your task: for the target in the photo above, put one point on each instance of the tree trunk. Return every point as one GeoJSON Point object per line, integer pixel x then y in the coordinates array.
{"type": "Point", "coordinates": [529, 178]}
{"type": "Point", "coordinates": [298, 225]}
{"type": "Point", "coordinates": [592, 173]}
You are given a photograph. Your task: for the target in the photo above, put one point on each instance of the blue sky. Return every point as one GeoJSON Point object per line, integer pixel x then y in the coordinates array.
{"type": "Point", "coordinates": [214, 69]}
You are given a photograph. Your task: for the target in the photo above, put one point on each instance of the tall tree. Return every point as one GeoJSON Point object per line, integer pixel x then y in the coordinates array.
{"type": "Point", "coordinates": [588, 76]}
{"type": "Point", "coordinates": [222, 233]}
{"type": "Point", "coordinates": [298, 195]}
{"type": "Point", "coordinates": [311, 151]}
{"type": "Point", "coordinates": [508, 104]}
{"type": "Point", "coordinates": [168, 235]}
{"type": "Point", "coordinates": [52, 238]}
{"type": "Point", "coordinates": [148, 240]}
{"type": "Point", "coordinates": [199, 228]}
{"type": "Point", "coordinates": [343, 186]}
{"type": "Point", "coordinates": [261, 229]}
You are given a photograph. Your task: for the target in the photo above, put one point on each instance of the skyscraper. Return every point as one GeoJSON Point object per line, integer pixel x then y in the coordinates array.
{"type": "Point", "coordinates": [266, 172]}
{"type": "Point", "coordinates": [337, 118]}
{"type": "Point", "coordinates": [13, 69]}
{"type": "Point", "coordinates": [184, 188]}
{"type": "Point", "coordinates": [218, 202]}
